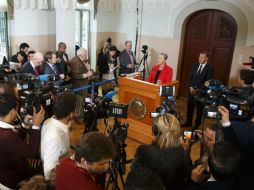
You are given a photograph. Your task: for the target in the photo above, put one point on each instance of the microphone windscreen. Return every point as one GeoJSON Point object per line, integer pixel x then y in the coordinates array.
{"type": "Point", "coordinates": [44, 77]}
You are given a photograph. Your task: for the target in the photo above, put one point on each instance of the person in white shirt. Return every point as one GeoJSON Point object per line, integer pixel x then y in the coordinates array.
{"type": "Point", "coordinates": [54, 134]}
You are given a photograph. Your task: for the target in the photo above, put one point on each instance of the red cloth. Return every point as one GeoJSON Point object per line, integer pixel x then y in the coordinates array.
{"type": "Point", "coordinates": [14, 155]}
{"type": "Point", "coordinates": [71, 177]}
{"type": "Point", "coordinates": [165, 75]}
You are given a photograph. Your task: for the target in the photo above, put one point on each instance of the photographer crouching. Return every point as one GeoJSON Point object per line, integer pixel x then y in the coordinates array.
{"type": "Point", "coordinates": [14, 151]}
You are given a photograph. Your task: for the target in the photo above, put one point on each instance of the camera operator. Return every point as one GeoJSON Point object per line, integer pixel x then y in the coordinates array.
{"type": "Point", "coordinates": [92, 155]}
{"type": "Point", "coordinates": [54, 134]}
{"type": "Point", "coordinates": [127, 59]}
{"type": "Point", "coordinates": [22, 47]}
{"type": "Point", "coordinates": [14, 165]}
{"type": "Point", "coordinates": [165, 155]}
{"type": "Point", "coordinates": [241, 133]}
{"type": "Point", "coordinates": [224, 163]}
{"type": "Point", "coordinates": [200, 73]}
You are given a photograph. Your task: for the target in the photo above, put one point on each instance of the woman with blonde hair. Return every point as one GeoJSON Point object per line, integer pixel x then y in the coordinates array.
{"type": "Point", "coordinates": [165, 155]}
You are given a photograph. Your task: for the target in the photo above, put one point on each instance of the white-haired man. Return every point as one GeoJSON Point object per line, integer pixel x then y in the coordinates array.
{"type": "Point", "coordinates": [79, 72]}
{"type": "Point", "coordinates": [32, 66]}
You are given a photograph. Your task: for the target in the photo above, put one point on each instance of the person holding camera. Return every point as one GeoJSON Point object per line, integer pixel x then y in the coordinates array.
{"type": "Point", "coordinates": [200, 73]}
{"type": "Point", "coordinates": [165, 156]}
{"type": "Point", "coordinates": [93, 153]}
{"type": "Point", "coordinates": [241, 134]}
{"type": "Point", "coordinates": [14, 151]}
{"type": "Point", "coordinates": [223, 167]}
{"type": "Point", "coordinates": [161, 73]}
{"type": "Point", "coordinates": [246, 81]}
{"type": "Point", "coordinates": [54, 135]}
{"type": "Point", "coordinates": [127, 59]}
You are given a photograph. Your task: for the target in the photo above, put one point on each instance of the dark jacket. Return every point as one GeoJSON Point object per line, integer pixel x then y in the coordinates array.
{"type": "Point", "coordinates": [172, 165]}
{"type": "Point", "coordinates": [198, 81]}
{"type": "Point", "coordinates": [214, 185]}
{"type": "Point", "coordinates": [48, 70]}
{"type": "Point", "coordinates": [241, 134]}
{"type": "Point", "coordinates": [103, 64]}
{"type": "Point", "coordinates": [124, 61]}
{"type": "Point", "coordinates": [14, 166]}
{"type": "Point", "coordinates": [28, 68]}
{"type": "Point", "coordinates": [62, 66]}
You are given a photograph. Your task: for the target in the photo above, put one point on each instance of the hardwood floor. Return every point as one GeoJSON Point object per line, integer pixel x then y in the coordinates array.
{"type": "Point", "coordinates": [132, 145]}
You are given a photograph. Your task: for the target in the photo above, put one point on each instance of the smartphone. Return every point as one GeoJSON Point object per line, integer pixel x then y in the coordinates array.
{"type": "Point", "coordinates": [154, 114]}
{"type": "Point", "coordinates": [188, 135]}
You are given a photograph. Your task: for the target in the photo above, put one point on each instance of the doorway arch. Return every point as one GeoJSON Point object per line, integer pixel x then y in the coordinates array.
{"type": "Point", "coordinates": [214, 31]}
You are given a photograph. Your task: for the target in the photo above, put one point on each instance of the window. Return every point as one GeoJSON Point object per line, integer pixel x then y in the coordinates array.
{"type": "Point", "coordinates": [82, 28]}
{"type": "Point", "coordinates": [3, 36]}
{"type": "Point", "coordinates": [83, 25]}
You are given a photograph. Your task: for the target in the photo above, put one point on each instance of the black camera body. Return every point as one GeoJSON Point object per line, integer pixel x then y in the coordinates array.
{"type": "Point", "coordinates": [169, 105]}
{"type": "Point", "coordinates": [239, 105]}
{"type": "Point", "coordinates": [144, 49]}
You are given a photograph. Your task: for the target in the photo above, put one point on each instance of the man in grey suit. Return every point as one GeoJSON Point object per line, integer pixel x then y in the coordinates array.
{"type": "Point", "coordinates": [127, 59]}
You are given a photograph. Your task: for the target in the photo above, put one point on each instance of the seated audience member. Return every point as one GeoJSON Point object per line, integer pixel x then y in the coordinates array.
{"type": "Point", "coordinates": [143, 179]}
{"type": "Point", "coordinates": [161, 73]}
{"type": "Point", "coordinates": [93, 153]}
{"type": "Point", "coordinates": [23, 47]}
{"type": "Point", "coordinates": [108, 65]}
{"type": "Point", "coordinates": [30, 55]}
{"type": "Point", "coordinates": [165, 155]}
{"type": "Point", "coordinates": [63, 59]}
{"type": "Point", "coordinates": [224, 164]}
{"type": "Point", "coordinates": [54, 133]}
{"type": "Point", "coordinates": [14, 165]}
{"type": "Point", "coordinates": [127, 59]}
{"type": "Point", "coordinates": [32, 67]}
{"type": "Point", "coordinates": [37, 182]}
{"type": "Point", "coordinates": [241, 134]}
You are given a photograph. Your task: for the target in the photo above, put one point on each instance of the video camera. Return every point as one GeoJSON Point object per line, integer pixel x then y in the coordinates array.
{"type": "Point", "coordinates": [144, 49]}
{"type": "Point", "coordinates": [216, 94]}
{"type": "Point", "coordinates": [169, 105]}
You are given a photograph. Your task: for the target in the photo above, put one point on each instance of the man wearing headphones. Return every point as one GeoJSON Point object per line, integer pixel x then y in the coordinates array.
{"type": "Point", "coordinates": [91, 159]}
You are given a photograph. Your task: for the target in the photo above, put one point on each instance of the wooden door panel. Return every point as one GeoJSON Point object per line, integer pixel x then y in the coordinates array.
{"type": "Point", "coordinates": [221, 57]}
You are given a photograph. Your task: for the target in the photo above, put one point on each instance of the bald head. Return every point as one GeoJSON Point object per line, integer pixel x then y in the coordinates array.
{"type": "Point", "coordinates": [82, 53]}
{"type": "Point", "coordinates": [37, 59]}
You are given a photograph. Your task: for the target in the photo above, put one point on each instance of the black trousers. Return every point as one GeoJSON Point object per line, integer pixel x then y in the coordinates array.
{"type": "Point", "coordinates": [190, 111]}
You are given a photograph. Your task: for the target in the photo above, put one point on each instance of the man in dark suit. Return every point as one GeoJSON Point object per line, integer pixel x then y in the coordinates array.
{"type": "Point", "coordinates": [32, 67]}
{"type": "Point", "coordinates": [200, 73]}
{"type": "Point", "coordinates": [49, 66]}
{"type": "Point", "coordinates": [127, 59]}
{"type": "Point", "coordinates": [63, 59]}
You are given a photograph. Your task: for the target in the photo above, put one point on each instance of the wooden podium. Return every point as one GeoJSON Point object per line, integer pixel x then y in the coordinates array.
{"type": "Point", "coordinates": [134, 91]}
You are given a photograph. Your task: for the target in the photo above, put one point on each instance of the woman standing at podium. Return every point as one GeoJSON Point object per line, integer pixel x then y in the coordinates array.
{"type": "Point", "coordinates": [161, 73]}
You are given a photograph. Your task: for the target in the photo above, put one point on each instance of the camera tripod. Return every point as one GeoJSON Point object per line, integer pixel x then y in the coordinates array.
{"type": "Point", "coordinates": [118, 163]}
{"type": "Point", "coordinates": [145, 66]}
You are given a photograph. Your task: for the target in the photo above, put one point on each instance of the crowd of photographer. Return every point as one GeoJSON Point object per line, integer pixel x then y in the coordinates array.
{"type": "Point", "coordinates": [35, 132]}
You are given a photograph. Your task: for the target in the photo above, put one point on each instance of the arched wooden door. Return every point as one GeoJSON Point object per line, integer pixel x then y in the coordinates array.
{"type": "Point", "coordinates": [214, 31]}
